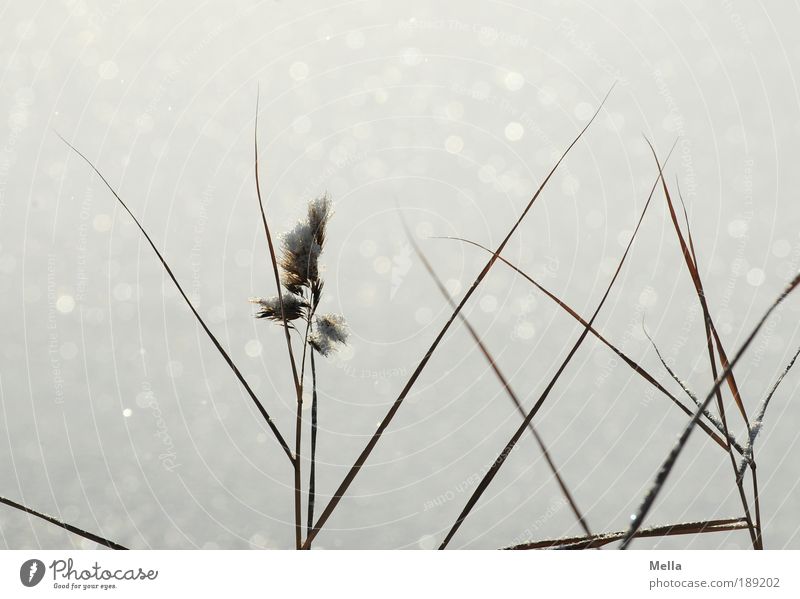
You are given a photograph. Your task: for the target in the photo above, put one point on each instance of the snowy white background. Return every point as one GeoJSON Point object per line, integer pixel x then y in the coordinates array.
{"type": "Point", "coordinates": [452, 112]}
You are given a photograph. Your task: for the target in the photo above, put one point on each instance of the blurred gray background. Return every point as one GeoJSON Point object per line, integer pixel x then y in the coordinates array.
{"type": "Point", "coordinates": [119, 416]}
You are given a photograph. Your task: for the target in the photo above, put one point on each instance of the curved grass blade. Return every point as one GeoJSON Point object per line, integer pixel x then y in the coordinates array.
{"type": "Point", "coordinates": [273, 259]}
{"type": "Point", "coordinates": [262, 410]}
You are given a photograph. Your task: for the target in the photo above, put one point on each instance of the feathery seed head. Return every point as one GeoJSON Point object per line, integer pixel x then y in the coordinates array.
{"type": "Point", "coordinates": [271, 307]}
{"type": "Point", "coordinates": [299, 257]}
{"type": "Point", "coordinates": [320, 211]}
{"type": "Point", "coordinates": [330, 332]}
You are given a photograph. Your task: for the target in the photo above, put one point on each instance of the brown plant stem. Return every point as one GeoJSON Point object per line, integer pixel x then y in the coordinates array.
{"type": "Point", "coordinates": [312, 473]}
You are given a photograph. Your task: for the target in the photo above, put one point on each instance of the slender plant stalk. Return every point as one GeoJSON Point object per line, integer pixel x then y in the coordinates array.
{"type": "Point", "coordinates": [669, 463]}
{"type": "Point", "coordinates": [596, 541]}
{"type": "Point", "coordinates": [73, 529]}
{"type": "Point", "coordinates": [273, 259]}
{"type": "Point", "coordinates": [757, 503]}
{"type": "Point", "coordinates": [690, 259]}
{"type": "Point", "coordinates": [633, 365]}
{"type": "Point", "coordinates": [503, 381]}
{"type": "Point", "coordinates": [298, 440]}
{"type": "Point", "coordinates": [262, 410]}
{"type": "Point", "coordinates": [509, 447]}
{"type": "Point", "coordinates": [312, 472]}
{"type": "Point", "coordinates": [373, 441]}
{"type": "Point", "coordinates": [298, 386]}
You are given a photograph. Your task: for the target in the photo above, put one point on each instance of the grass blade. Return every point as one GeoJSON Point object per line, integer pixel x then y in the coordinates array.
{"type": "Point", "coordinates": [691, 264]}
{"type": "Point", "coordinates": [262, 410]}
{"type": "Point", "coordinates": [597, 541]}
{"type": "Point", "coordinates": [73, 529]}
{"type": "Point", "coordinates": [362, 457]}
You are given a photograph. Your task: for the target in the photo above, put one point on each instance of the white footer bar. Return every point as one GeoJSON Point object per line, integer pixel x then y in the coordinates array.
{"type": "Point", "coordinates": [403, 574]}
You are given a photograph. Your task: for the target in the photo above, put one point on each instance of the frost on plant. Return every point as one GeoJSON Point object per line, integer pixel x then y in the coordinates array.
{"type": "Point", "coordinates": [331, 331]}
{"type": "Point", "coordinates": [270, 307]}
{"type": "Point", "coordinates": [300, 251]}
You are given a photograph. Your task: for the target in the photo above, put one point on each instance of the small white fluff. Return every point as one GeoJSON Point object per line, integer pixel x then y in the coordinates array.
{"type": "Point", "coordinates": [330, 331]}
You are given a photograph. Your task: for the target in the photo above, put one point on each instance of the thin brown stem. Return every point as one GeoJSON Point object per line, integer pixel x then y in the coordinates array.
{"type": "Point", "coordinates": [312, 475]}
{"type": "Point", "coordinates": [757, 503]}
{"type": "Point", "coordinates": [298, 442]}
{"type": "Point", "coordinates": [273, 258]}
